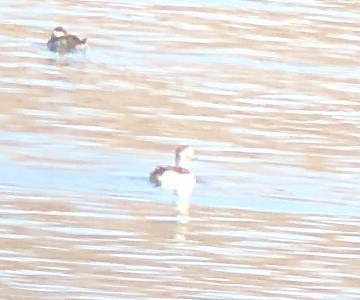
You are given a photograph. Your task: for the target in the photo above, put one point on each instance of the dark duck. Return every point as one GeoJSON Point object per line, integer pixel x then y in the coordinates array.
{"type": "Point", "coordinates": [62, 42]}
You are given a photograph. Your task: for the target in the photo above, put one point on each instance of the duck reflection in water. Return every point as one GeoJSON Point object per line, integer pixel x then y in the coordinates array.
{"type": "Point", "coordinates": [62, 42]}
{"type": "Point", "coordinates": [178, 178]}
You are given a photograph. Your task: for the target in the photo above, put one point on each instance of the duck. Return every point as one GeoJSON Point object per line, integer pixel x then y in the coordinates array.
{"type": "Point", "coordinates": [60, 41]}
{"type": "Point", "coordinates": [179, 177]}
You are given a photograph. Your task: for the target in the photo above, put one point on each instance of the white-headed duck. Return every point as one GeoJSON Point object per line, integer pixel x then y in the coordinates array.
{"type": "Point", "coordinates": [178, 177]}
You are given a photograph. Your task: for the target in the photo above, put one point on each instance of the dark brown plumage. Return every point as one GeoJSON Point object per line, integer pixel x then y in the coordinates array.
{"type": "Point", "coordinates": [159, 171]}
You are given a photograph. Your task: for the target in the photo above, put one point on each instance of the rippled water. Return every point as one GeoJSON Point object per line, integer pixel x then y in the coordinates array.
{"type": "Point", "coordinates": [267, 92]}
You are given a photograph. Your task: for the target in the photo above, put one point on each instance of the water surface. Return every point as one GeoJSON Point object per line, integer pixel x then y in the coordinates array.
{"type": "Point", "coordinates": [268, 94]}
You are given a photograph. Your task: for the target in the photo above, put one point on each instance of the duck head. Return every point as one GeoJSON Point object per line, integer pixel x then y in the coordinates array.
{"type": "Point", "coordinates": [184, 155]}
{"type": "Point", "coordinates": [58, 32]}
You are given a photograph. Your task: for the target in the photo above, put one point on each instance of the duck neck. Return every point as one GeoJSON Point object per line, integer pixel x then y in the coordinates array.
{"type": "Point", "coordinates": [183, 163]}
